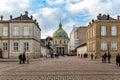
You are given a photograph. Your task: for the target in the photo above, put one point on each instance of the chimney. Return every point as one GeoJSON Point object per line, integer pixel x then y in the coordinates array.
{"type": "Point", "coordinates": [21, 17]}
{"type": "Point", "coordinates": [99, 16]}
{"type": "Point", "coordinates": [108, 17]}
{"type": "Point", "coordinates": [35, 20]}
{"type": "Point", "coordinates": [31, 17]}
{"type": "Point", "coordinates": [26, 13]}
{"type": "Point", "coordinates": [1, 18]}
{"type": "Point", "coordinates": [89, 23]}
{"type": "Point", "coordinates": [10, 17]}
{"type": "Point", "coordinates": [118, 17]}
{"type": "Point", "coordinates": [92, 20]}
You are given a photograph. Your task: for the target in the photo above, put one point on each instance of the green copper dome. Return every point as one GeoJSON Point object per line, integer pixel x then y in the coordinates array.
{"type": "Point", "coordinates": [60, 32]}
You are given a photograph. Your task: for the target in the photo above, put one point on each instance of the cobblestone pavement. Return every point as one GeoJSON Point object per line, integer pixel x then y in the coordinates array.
{"type": "Point", "coordinates": [64, 68]}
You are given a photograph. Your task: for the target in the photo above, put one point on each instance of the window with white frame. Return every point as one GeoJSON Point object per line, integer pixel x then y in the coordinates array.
{"type": "Point", "coordinates": [93, 46]}
{"type": "Point", "coordinates": [93, 32]}
{"type": "Point", "coordinates": [88, 34]}
{"type": "Point", "coordinates": [113, 45]}
{"type": "Point", "coordinates": [26, 46]}
{"type": "Point", "coordinates": [26, 31]}
{"type": "Point", "coordinates": [5, 31]}
{"type": "Point", "coordinates": [5, 46]}
{"type": "Point", "coordinates": [15, 46]}
{"type": "Point", "coordinates": [113, 31]}
{"type": "Point", "coordinates": [103, 46]}
{"type": "Point", "coordinates": [90, 47]}
{"type": "Point", "coordinates": [15, 31]}
{"type": "Point", "coordinates": [103, 30]}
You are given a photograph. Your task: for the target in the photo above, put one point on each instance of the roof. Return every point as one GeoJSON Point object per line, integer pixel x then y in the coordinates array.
{"type": "Point", "coordinates": [49, 38]}
{"type": "Point", "coordinates": [105, 17]}
{"type": "Point", "coordinates": [84, 44]}
{"type": "Point", "coordinates": [42, 42]}
{"type": "Point", "coordinates": [23, 17]}
{"type": "Point", "coordinates": [60, 32]}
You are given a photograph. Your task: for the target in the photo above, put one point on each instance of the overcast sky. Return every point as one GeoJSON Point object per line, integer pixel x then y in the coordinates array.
{"type": "Point", "coordinates": [49, 12]}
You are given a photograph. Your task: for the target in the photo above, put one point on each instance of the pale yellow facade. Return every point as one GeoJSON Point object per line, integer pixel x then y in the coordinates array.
{"type": "Point", "coordinates": [101, 40]}
{"type": "Point", "coordinates": [32, 38]}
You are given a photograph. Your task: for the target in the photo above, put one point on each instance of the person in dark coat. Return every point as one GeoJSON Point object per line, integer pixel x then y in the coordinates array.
{"type": "Point", "coordinates": [92, 56]}
{"type": "Point", "coordinates": [109, 57]}
{"type": "Point", "coordinates": [103, 59]}
{"type": "Point", "coordinates": [51, 55]}
{"type": "Point", "coordinates": [105, 56]}
{"type": "Point", "coordinates": [118, 60]}
{"type": "Point", "coordinates": [24, 58]}
{"type": "Point", "coordinates": [20, 59]}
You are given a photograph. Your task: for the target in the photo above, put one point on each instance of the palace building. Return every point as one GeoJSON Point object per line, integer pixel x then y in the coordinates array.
{"type": "Point", "coordinates": [60, 41]}
{"type": "Point", "coordinates": [103, 35]}
{"type": "Point", "coordinates": [19, 35]}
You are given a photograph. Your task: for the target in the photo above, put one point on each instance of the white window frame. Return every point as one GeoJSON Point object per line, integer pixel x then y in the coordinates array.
{"type": "Point", "coordinates": [103, 46]}
{"type": "Point", "coordinates": [113, 30]}
{"type": "Point", "coordinates": [5, 31]}
{"type": "Point", "coordinates": [5, 46]}
{"type": "Point", "coordinates": [15, 46]}
{"type": "Point", "coordinates": [26, 31]}
{"type": "Point", "coordinates": [16, 31]}
{"type": "Point", "coordinates": [113, 45]}
{"type": "Point", "coordinates": [26, 46]}
{"type": "Point", "coordinates": [88, 34]}
{"type": "Point", "coordinates": [93, 46]}
{"type": "Point", "coordinates": [103, 31]}
{"type": "Point", "coordinates": [93, 32]}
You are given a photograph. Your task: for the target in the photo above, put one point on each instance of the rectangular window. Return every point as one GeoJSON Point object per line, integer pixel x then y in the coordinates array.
{"type": "Point", "coordinates": [93, 46]}
{"type": "Point", "coordinates": [26, 31]}
{"type": "Point", "coordinates": [5, 46]}
{"type": "Point", "coordinates": [93, 32]}
{"type": "Point", "coordinates": [15, 31]}
{"type": "Point", "coordinates": [5, 31]}
{"type": "Point", "coordinates": [113, 45]}
{"type": "Point", "coordinates": [88, 34]}
{"type": "Point", "coordinates": [15, 46]}
{"type": "Point", "coordinates": [26, 46]}
{"type": "Point", "coordinates": [113, 31]}
{"type": "Point", "coordinates": [103, 46]}
{"type": "Point", "coordinates": [103, 30]}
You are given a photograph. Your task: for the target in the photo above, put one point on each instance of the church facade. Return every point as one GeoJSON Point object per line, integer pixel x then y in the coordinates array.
{"type": "Point", "coordinates": [60, 41]}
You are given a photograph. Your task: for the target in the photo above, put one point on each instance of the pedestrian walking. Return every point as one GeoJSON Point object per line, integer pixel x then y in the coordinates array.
{"type": "Point", "coordinates": [20, 59]}
{"type": "Point", "coordinates": [24, 58]}
{"type": "Point", "coordinates": [109, 57]}
{"type": "Point", "coordinates": [105, 56]}
{"type": "Point", "coordinates": [103, 59]}
{"type": "Point", "coordinates": [92, 56]}
{"type": "Point", "coordinates": [51, 55]}
{"type": "Point", "coordinates": [118, 60]}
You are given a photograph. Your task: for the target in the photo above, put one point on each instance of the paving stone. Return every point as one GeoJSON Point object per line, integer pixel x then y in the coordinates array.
{"type": "Point", "coordinates": [64, 68]}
